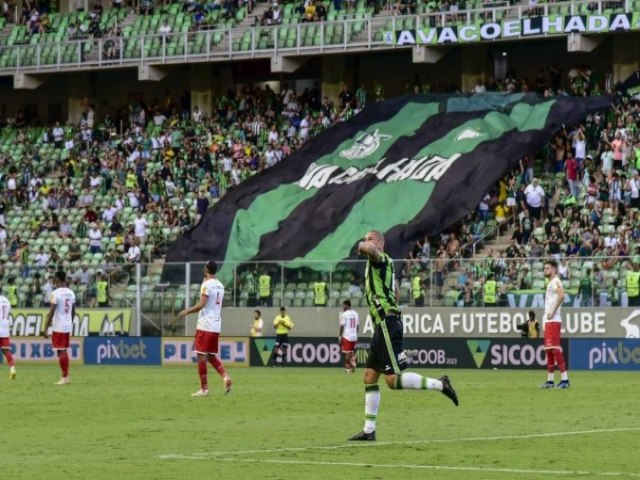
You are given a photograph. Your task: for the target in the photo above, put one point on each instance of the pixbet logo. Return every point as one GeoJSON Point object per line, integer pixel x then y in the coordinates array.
{"type": "Point", "coordinates": [120, 350]}
{"type": "Point", "coordinates": [619, 354]}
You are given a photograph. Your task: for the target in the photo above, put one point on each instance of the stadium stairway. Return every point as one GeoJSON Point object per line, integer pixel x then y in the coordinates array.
{"type": "Point", "coordinates": [257, 12]}
{"type": "Point", "coordinates": [93, 53]}
{"type": "Point", "coordinates": [494, 242]}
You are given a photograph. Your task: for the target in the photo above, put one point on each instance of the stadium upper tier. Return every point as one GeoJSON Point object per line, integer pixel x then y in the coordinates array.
{"type": "Point", "coordinates": [174, 35]}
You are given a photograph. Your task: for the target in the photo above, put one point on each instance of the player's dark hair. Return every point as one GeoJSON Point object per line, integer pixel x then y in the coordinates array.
{"type": "Point", "coordinates": [61, 276]}
{"type": "Point", "coordinates": [258, 312]}
{"type": "Point", "coordinates": [553, 263]}
{"type": "Point", "coordinates": [211, 267]}
{"type": "Point", "coordinates": [347, 303]}
{"type": "Point", "coordinates": [532, 315]}
{"type": "Point", "coordinates": [282, 309]}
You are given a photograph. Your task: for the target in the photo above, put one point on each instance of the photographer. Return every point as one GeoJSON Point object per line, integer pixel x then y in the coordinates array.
{"type": "Point", "coordinates": [531, 328]}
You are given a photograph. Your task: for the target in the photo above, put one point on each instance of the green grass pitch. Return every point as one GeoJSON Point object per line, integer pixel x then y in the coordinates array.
{"type": "Point", "coordinates": [292, 423]}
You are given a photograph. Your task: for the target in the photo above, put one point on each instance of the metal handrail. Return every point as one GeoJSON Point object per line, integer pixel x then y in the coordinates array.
{"type": "Point", "coordinates": [229, 43]}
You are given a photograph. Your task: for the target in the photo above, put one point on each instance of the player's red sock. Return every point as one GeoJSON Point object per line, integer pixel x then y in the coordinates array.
{"type": "Point", "coordinates": [63, 358]}
{"type": "Point", "coordinates": [562, 366]}
{"type": "Point", "coordinates": [9, 355]}
{"type": "Point", "coordinates": [202, 370]}
{"type": "Point", "coordinates": [551, 360]}
{"type": "Point", "coordinates": [217, 364]}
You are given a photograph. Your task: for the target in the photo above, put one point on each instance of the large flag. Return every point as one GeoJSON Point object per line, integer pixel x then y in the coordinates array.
{"type": "Point", "coordinates": [407, 167]}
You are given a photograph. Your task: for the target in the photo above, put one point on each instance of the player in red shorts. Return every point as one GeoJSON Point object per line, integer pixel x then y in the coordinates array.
{"type": "Point", "coordinates": [61, 314]}
{"type": "Point", "coordinates": [349, 322]}
{"type": "Point", "coordinates": [5, 341]}
{"type": "Point", "coordinates": [209, 310]}
{"type": "Point", "coordinates": [552, 323]}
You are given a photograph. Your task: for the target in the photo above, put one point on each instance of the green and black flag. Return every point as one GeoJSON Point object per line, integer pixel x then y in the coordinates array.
{"type": "Point", "coordinates": [407, 167]}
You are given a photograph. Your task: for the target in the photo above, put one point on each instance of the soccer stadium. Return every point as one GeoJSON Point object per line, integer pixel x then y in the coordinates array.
{"type": "Point", "coordinates": [226, 226]}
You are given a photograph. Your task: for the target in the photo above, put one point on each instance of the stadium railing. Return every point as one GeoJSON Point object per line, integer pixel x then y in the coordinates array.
{"type": "Point", "coordinates": [520, 284]}
{"type": "Point", "coordinates": [360, 32]}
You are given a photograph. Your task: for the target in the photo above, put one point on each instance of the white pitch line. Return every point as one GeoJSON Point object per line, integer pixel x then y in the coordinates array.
{"type": "Point", "coordinates": [408, 442]}
{"type": "Point", "coordinates": [524, 471]}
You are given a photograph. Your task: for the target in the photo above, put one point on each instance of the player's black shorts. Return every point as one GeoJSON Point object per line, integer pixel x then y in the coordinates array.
{"type": "Point", "coordinates": [282, 339]}
{"type": "Point", "coordinates": [386, 354]}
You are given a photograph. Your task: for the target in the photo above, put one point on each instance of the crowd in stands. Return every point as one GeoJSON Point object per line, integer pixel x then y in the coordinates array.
{"type": "Point", "coordinates": [121, 193]}
{"type": "Point", "coordinates": [121, 187]}
{"type": "Point", "coordinates": [576, 201]}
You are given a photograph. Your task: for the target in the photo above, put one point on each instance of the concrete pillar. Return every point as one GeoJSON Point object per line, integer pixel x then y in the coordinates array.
{"type": "Point", "coordinates": [79, 96]}
{"type": "Point", "coordinates": [474, 65]}
{"type": "Point", "coordinates": [337, 70]}
{"type": "Point", "coordinates": [207, 82]}
{"type": "Point", "coordinates": [626, 56]}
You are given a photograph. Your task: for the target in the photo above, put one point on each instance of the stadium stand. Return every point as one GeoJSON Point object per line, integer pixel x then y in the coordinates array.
{"type": "Point", "coordinates": [192, 29]}
{"type": "Point", "coordinates": [48, 198]}
{"type": "Point", "coordinates": [57, 181]}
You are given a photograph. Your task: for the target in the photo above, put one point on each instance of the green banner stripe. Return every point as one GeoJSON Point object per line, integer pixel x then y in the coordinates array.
{"type": "Point", "coordinates": [250, 225]}
{"type": "Point", "coordinates": [366, 215]}
{"type": "Point", "coordinates": [403, 124]}
{"type": "Point", "coordinates": [468, 136]}
{"type": "Point", "coordinates": [409, 197]}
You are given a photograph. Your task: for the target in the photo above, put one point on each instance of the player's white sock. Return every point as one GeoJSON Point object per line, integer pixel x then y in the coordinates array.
{"type": "Point", "coordinates": [564, 375]}
{"type": "Point", "coordinates": [413, 381]}
{"type": "Point", "coordinates": [371, 405]}
{"type": "Point", "coordinates": [549, 377]}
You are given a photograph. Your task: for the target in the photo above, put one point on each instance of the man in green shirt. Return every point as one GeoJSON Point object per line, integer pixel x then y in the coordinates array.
{"type": "Point", "coordinates": [386, 354]}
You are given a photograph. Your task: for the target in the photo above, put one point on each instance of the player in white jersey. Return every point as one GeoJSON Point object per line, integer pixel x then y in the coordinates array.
{"type": "Point", "coordinates": [209, 310]}
{"type": "Point", "coordinates": [61, 315]}
{"type": "Point", "coordinates": [552, 322]}
{"type": "Point", "coordinates": [348, 336]}
{"type": "Point", "coordinates": [5, 340]}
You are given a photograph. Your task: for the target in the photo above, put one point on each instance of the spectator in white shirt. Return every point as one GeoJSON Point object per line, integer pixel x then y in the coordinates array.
{"type": "Point", "coordinates": [270, 156]}
{"type": "Point", "coordinates": [95, 180]}
{"type": "Point", "coordinates": [86, 199]}
{"type": "Point", "coordinates": [133, 199]}
{"type": "Point", "coordinates": [46, 290]}
{"type": "Point", "coordinates": [58, 135]}
{"type": "Point", "coordinates": [133, 254]}
{"type": "Point", "coordinates": [534, 195]}
{"type": "Point", "coordinates": [196, 115]}
{"type": "Point", "coordinates": [109, 213]}
{"type": "Point", "coordinates": [304, 127]}
{"type": "Point", "coordinates": [95, 239]}
{"type": "Point", "coordinates": [273, 135]}
{"type": "Point", "coordinates": [3, 239]}
{"type": "Point", "coordinates": [140, 227]}
{"type": "Point", "coordinates": [159, 119]}
{"type": "Point", "coordinates": [165, 30]}
{"type": "Point", "coordinates": [42, 258]}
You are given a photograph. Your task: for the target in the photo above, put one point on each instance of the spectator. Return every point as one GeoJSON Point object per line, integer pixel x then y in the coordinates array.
{"type": "Point", "coordinates": [534, 197]}
{"type": "Point", "coordinates": [95, 238]}
{"type": "Point", "coordinates": [140, 227]}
